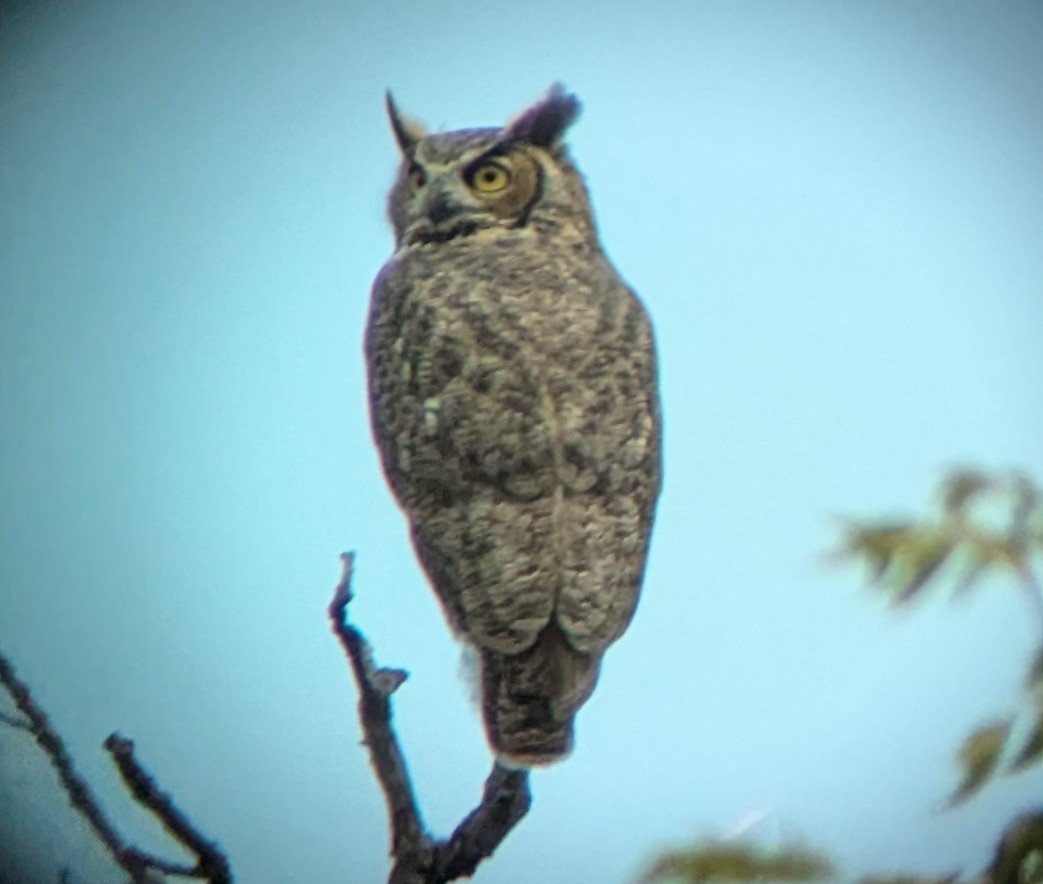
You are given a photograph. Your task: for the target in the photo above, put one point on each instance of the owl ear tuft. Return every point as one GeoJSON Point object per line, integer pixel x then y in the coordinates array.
{"type": "Point", "coordinates": [544, 123]}
{"type": "Point", "coordinates": [408, 131]}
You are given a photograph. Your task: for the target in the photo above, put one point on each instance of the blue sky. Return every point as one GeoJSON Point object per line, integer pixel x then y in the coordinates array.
{"type": "Point", "coordinates": [834, 214]}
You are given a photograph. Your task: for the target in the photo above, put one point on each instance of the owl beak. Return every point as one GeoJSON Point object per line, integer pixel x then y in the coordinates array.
{"type": "Point", "coordinates": [442, 218]}
{"type": "Point", "coordinates": [440, 207]}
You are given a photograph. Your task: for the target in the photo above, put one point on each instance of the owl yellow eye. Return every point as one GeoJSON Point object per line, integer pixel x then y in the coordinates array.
{"type": "Point", "coordinates": [490, 178]}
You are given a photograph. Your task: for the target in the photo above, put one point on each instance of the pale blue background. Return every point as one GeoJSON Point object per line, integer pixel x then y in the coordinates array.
{"type": "Point", "coordinates": [834, 212]}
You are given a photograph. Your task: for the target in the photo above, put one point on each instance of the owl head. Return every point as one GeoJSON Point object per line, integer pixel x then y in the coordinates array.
{"type": "Point", "coordinates": [453, 185]}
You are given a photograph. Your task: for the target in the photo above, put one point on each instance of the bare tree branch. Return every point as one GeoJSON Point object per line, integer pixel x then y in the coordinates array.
{"type": "Point", "coordinates": [138, 864]}
{"type": "Point", "coordinates": [505, 801]}
{"type": "Point", "coordinates": [418, 857]}
{"type": "Point", "coordinates": [211, 863]}
{"type": "Point", "coordinates": [54, 748]}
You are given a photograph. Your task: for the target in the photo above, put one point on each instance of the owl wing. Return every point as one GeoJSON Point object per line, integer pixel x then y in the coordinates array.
{"type": "Point", "coordinates": [468, 456]}
{"type": "Point", "coordinates": [611, 470]}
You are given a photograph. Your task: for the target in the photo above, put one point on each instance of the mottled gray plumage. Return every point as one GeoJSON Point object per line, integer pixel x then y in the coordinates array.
{"type": "Point", "coordinates": [512, 380]}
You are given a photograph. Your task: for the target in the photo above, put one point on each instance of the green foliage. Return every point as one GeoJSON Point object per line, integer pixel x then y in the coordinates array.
{"type": "Point", "coordinates": [979, 755]}
{"type": "Point", "coordinates": [985, 525]}
{"type": "Point", "coordinates": [1018, 858]}
{"type": "Point", "coordinates": [736, 861]}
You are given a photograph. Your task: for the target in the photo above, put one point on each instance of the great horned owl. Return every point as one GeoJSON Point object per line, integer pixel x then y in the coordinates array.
{"type": "Point", "coordinates": [512, 382]}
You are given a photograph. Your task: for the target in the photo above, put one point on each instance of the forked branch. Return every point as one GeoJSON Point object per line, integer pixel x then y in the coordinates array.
{"type": "Point", "coordinates": [211, 863]}
{"type": "Point", "coordinates": [418, 858]}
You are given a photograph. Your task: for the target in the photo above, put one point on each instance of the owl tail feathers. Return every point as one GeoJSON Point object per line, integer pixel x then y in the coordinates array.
{"type": "Point", "coordinates": [529, 700]}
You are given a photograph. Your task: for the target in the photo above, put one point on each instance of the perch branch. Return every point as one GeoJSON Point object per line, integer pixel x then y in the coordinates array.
{"type": "Point", "coordinates": [418, 857]}
{"type": "Point", "coordinates": [135, 862]}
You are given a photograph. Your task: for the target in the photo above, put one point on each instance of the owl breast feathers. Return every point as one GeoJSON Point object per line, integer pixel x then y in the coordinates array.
{"type": "Point", "coordinates": [512, 380]}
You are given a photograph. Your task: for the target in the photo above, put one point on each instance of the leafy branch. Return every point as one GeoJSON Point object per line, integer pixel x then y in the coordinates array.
{"type": "Point", "coordinates": [984, 526]}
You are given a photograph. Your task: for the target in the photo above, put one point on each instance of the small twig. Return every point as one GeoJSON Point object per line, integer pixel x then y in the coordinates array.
{"type": "Point", "coordinates": [211, 862]}
{"type": "Point", "coordinates": [418, 857]}
{"type": "Point", "coordinates": [14, 721]}
{"type": "Point", "coordinates": [138, 864]}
